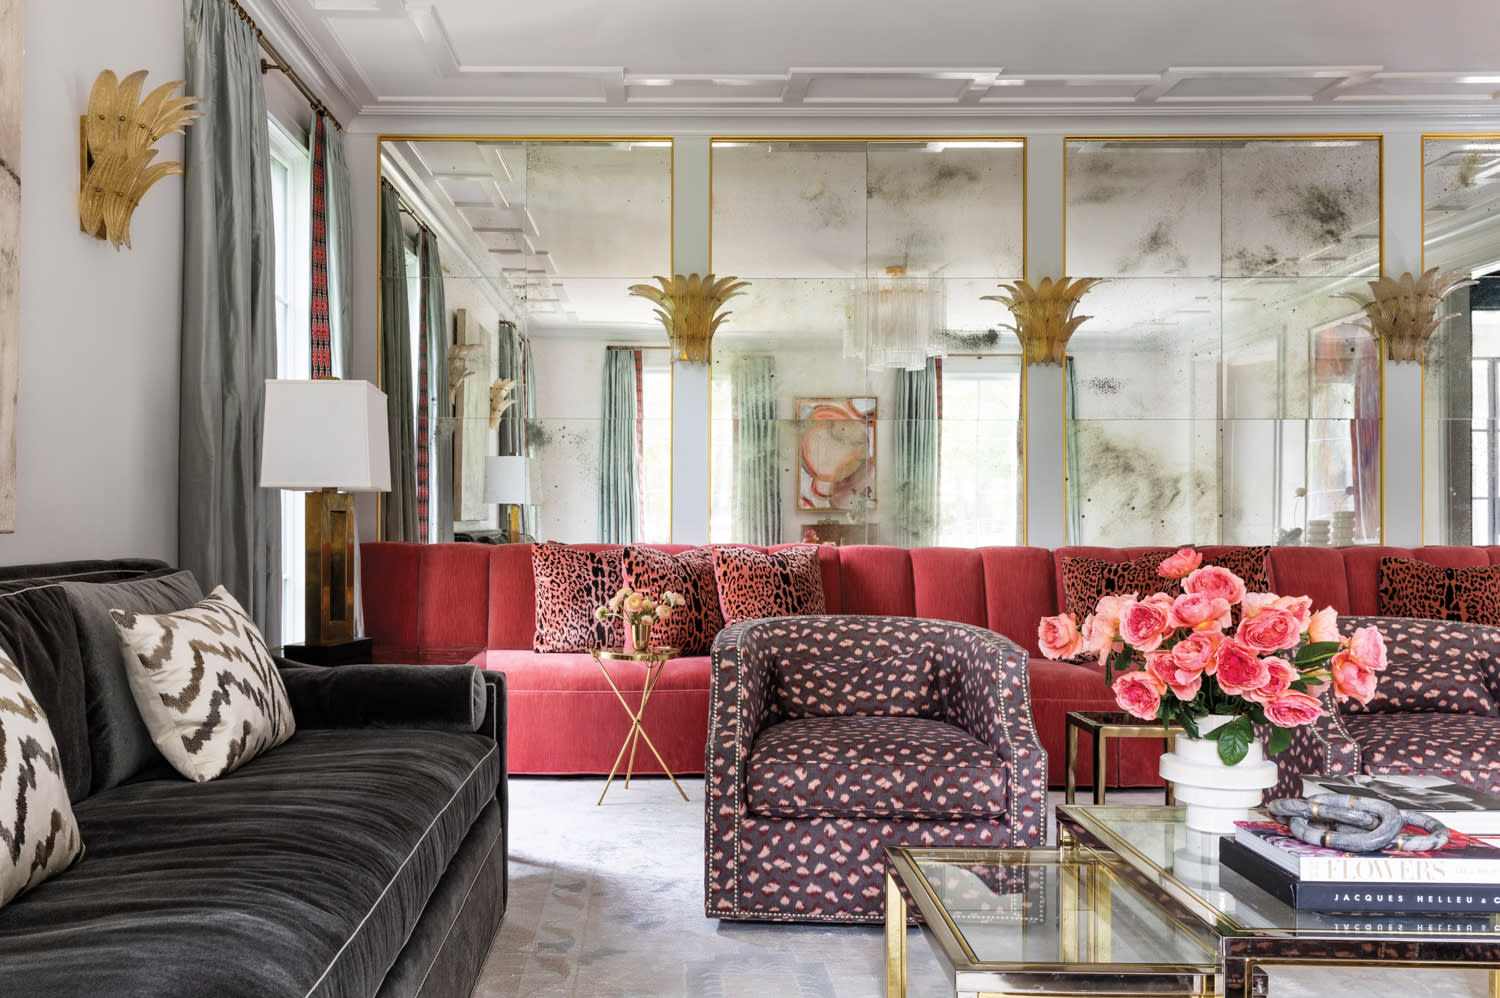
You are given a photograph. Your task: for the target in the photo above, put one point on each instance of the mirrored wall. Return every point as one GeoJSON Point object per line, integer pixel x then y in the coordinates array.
{"type": "Point", "coordinates": [862, 392]}
{"type": "Point", "coordinates": [1220, 393]}
{"type": "Point", "coordinates": [1460, 393]}
{"type": "Point", "coordinates": [540, 350]}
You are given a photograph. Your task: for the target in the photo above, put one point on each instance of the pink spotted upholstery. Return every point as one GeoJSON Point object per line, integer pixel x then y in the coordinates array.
{"type": "Point", "coordinates": [1434, 711]}
{"type": "Point", "coordinates": [800, 809]}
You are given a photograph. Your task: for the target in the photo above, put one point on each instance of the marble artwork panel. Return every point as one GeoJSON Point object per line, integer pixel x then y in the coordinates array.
{"type": "Point", "coordinates": [1145, 209]}
{"type": "Point", "coordinates": [944, 208]}
{"type": "Point", "coordinates": [10, 251]}
{"type": "Point", "coordinates": [1301, 207]}
{"type": "Point", "coordinates": [789, 209]}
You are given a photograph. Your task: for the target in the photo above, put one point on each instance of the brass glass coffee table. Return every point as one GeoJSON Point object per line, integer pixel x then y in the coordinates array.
{"type": "Point", "coordinates": [1132, 902]}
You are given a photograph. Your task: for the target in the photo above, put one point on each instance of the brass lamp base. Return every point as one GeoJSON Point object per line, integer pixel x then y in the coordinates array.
{"type": "Point", "coordinates": [330, 567]}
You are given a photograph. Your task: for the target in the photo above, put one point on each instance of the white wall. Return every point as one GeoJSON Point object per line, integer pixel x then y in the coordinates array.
{"type": "Point", "coordinates": [97, 424]}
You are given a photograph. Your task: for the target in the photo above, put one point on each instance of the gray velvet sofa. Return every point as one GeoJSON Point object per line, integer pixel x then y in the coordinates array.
{"type": "Point", "coordinates": [365, 856]}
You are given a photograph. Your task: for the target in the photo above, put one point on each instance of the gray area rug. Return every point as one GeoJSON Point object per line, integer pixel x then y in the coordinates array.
{"type": "Point", "coordinates": [607, 902]}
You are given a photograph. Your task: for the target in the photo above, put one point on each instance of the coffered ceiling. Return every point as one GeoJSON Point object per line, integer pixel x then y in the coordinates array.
{"type": "Point", "coordinates": [393, 57]}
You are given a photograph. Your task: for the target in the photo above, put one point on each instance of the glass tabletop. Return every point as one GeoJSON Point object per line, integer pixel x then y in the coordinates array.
{"type": "Point", "coordinates": [1184, 864]}
{"type": "Point", "coordinates": [1030, 912]}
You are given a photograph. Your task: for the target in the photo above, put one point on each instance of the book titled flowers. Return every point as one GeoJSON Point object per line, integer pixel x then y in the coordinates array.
{"type": "Point", "coordinates": [1464, 860]}
{"type": "Point", "coordinates": [1182, 658]}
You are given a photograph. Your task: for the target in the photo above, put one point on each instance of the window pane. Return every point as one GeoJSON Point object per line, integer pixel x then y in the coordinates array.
{"type": "Point", "coordinates": [656, 447]}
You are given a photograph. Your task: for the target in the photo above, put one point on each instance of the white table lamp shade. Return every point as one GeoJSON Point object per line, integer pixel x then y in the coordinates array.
{"type": "Point", "coordinates": [507, 480]}
{"type": "Point", "coordinates": [325, 435]}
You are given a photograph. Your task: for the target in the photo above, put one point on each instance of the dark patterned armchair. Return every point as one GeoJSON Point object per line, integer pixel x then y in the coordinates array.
{"type": "Point", "coordinates": [832, 737]}
{"type": "Point", "coordinates": [1436, 710]}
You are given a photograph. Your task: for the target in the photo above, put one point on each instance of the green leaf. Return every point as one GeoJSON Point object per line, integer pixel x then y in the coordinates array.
{"type": "Point", "coordinates": [1234, 740]}
{"type": "Point", "coordinates": [1189, 724]}
{"type": "Point", "coordinates": [1281, 740]}
{"type": "Point", "coordinates": [1315, 651]}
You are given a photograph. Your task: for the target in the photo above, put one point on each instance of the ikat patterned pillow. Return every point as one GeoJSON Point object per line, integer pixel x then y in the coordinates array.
{"type": "Point", "coordinates": [38, 833]}
{"type": "Point", "coordinates": [205, 685]}
{"type": "Point", "coordinates": [570, 584]}
{"type": "Point", "coordinates": [754, 584]}
{"type": "Point", "coordinates": [1410, 588]}
{"type": "Point", "coordinates": [698, 621]}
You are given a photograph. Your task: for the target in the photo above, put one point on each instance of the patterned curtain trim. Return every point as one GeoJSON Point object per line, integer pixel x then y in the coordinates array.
{"type": "Point", "coordinates": [321, 338]}
{"type": "Point", "coordinates": [425, 337]}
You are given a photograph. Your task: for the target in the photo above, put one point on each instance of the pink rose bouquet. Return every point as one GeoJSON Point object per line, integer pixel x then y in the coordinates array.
{"type": "Point", "coordinates": [1178, 659]}
{"type": "Point", "coordinates": [636, 608]}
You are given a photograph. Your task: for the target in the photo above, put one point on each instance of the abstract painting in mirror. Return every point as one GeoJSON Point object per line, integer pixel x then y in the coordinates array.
{"type": "Point", "coordinates": [1220, 393]}
{"type": "Point", "coordinates": [867, 261]}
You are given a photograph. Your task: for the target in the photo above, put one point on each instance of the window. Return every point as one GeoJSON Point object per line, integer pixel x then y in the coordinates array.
{"type": "Point", "coordinates": [1486, 459]}
{"type": "Point", "coordinates": [656, 446]}
{"type": "Point", "coordinates": [979, 451]}
{"type": "Point", "coordinates": [291, 210]}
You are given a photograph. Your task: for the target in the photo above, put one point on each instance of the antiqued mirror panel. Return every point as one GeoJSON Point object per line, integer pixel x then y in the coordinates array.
{"type": "Point", "coordinates": [1218, 393]}
{"type": "Point", "coordinates": [1460, 446]}
{"type": "Point", "coordinates": [862, 392]}
{"type": "Point", "coordinates": [540, 352]}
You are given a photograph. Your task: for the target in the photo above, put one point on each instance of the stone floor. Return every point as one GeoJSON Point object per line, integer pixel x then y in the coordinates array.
{"type": "Point", "coordinates": [607, 902]}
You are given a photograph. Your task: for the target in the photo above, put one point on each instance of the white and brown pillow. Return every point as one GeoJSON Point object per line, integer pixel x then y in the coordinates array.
{"type": "Point", "coordinates": [38, 833]}
{"type": "Point", "coordinates": [205, 685]}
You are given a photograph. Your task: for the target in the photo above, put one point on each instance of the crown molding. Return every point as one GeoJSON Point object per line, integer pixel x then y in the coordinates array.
{"type": "Point", "coordinates": [294, 41]}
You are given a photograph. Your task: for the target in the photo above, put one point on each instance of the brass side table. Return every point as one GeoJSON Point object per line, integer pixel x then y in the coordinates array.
{"type": "Point", "coordinates": [653, 659]}
{"type": "Point", "coordinates": [1102, 725]}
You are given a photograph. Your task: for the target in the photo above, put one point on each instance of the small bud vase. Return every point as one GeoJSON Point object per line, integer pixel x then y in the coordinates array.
{"type": "Point", "coordinates": [638, 635]}
{"type": "Point", "coordinates": [1217, 795]}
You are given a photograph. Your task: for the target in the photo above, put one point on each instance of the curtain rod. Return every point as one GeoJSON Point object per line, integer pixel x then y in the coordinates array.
{"type": "Point", "coordinates": [278, 63]}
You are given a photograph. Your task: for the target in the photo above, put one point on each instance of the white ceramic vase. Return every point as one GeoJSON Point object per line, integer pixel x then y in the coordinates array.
{"type": "Point", "coordinates": [1216, 795]}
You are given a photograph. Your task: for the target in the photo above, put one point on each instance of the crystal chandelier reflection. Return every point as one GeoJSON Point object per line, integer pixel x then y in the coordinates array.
{"type": "Point", "coordinates": [896, 321]}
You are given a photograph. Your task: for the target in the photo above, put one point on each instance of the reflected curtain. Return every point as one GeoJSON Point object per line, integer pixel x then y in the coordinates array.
{"type": "Point", "coordinates": [229, 529]}
{"type": "Point", "coordinates": [399, 521]}
{"type": "Point", "coordinates": [757, 465]}
{"type": "Point", "coordinates": [439, 409]}
{"type": "Point", "coordinates": [619, 447]}
{"type": "Point", "coordinates": [914, 451]}
{"type": "Point", "coordinates": [1072, 496]}
{"type": "Point", "coordinates": [513, 362]}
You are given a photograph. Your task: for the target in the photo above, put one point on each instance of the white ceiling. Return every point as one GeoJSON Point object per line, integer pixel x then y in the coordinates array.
{"type": "Point", "coordinates": [387, 57]}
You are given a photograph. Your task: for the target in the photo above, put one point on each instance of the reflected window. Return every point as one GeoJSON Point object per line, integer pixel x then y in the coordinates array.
{"type": "Point", "coordinates": [1485, 371]}
{"type": "Point", "coordinates": [656, 446]}
{"type": "Point", "coordinates": [980, 451]}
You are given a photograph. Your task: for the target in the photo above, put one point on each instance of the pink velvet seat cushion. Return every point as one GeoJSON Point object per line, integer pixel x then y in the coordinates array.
{"type": "Point", "coordinates": [902, 768]}
{"type": "Point", "coordinates": [527, 671]}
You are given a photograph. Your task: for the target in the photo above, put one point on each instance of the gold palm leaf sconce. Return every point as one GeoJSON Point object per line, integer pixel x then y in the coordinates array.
{"type": "Point", "coordinates": [1044, 315]}
{"type": "Point", "coordinates": [1402, 311]}
{"type": "Point", "coordinates": [689, 309]}
{"type": "Point", "coordinates": [119, 134]}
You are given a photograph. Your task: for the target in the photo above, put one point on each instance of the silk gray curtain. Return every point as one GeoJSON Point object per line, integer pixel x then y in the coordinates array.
{"type": "Point", "coordinates": [400, 514]}
{"type": "Point", "coordinates": [619, 508]}
{"type": "Point", "coordinates": [435, 336]}
{"type": "Point", "coordinates": [914, 447]}
{"type": "Point", "coordinates": [757, 451]}
{"type": "Point", "coordinates": [531, 524]}
{"type": "Point", "coordinates": [229, 529]}
{"type": "Point", "coordinates": [338, 218]}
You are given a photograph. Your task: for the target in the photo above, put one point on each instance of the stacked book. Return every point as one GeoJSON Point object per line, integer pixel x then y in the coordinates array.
{"type": "Point", "coordinates": [1464, 876]}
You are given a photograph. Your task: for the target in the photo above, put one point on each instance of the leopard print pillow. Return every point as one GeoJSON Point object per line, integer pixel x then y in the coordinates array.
{"type": "Point", "coordinates": [570, 584]}
{"type": "Point", "coordinates": [1410, 588]}
{"type": "Point", "coordinates": [753, 584]}
{"type": "Point", "coordinates": [695, 624]}
{"type": "Point", "coordinates": [1085, 580]}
